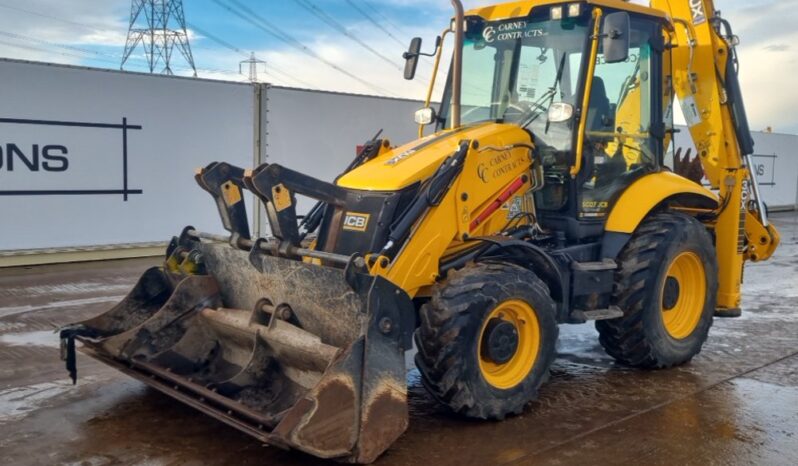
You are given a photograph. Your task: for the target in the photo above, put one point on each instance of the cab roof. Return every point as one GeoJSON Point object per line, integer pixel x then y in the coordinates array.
{"type": "Point", "coordinates": [520, 9]}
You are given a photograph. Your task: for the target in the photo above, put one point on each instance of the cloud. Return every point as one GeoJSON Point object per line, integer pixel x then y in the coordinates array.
{"type": "Point", "coordinates": [769, 92]}
{"type": "Point", "coordinates": [57, 31]}
{"type": "Point", "coordinates": [777, 47]}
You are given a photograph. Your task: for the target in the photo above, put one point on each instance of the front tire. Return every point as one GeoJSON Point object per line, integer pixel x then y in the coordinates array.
{"type": "Point", "coordinates": [486, 340]}
{"type": "Point", "coordinates": [666, 285]}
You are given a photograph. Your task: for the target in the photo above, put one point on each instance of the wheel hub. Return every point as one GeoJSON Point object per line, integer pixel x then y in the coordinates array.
{"type": "Point", "coordinates": [670, 293]}
{"type": "Point", "coordinates": [683, 295]}
{"type": "Point", "coordinates": [500, 341]}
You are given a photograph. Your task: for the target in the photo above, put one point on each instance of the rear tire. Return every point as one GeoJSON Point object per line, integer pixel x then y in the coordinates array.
{"type": "Point", "coordinates": [461, 356]}
{"type": "Point", "coordinates": [666, 285]}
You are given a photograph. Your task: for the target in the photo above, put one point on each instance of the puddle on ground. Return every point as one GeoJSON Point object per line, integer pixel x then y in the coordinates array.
{"type": "Point", "coordinates": [46, 338]}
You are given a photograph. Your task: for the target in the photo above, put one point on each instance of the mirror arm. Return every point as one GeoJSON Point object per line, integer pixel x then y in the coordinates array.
{"type": "Point", "coordinates": [435, 50]}
{"type": "Point", "coordinates": [457, 61]}
{"type": "Point", "coordinates": [439, 41]}
{"type": "Point", "coordinates": [591, 68]}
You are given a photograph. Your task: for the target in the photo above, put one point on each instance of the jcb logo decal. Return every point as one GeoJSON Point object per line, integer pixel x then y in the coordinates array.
{"type": "Point", "coordinates": [356, 222]}
{"type": "Point", "coordinates": [697, 10]}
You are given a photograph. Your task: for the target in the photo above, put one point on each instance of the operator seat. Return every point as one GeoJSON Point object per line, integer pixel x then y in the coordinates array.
{"type": "Point", "coordinates": [599, 118]}
{"type": "Point", "coordinates": [599, 111]}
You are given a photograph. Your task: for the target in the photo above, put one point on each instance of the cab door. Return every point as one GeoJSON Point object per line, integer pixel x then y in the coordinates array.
{"type": "Point", "coordinates": [624, 128]}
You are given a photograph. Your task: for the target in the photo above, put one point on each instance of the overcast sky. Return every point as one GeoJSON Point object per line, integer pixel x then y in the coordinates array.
{"type": "Point", "coordinates": [92, 33]}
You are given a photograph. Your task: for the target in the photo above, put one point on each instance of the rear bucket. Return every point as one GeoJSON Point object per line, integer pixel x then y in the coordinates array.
{"type": "Point", "coordinates": [295, 354]}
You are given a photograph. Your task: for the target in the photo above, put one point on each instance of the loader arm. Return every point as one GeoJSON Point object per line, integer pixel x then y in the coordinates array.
{"type": "Point", "coordinates": [704, 67]}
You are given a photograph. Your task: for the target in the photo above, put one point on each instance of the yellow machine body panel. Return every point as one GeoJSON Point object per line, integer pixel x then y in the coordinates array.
{"type": "Point", "coordinates": [642, 196]}
{"type": "Point", "coordinates": [495, 179]}
{"type": "Point", "coordinates": [418, 160]}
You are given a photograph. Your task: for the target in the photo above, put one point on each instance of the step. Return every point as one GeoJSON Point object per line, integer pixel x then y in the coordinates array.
{"type": "Point", "coordinates": [613, 312]}
{"type": "Point", "coordinates": [606, 264]}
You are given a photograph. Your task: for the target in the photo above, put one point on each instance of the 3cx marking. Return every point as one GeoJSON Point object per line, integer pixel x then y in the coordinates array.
{"type": "Point", "coordinates": [59, 162]}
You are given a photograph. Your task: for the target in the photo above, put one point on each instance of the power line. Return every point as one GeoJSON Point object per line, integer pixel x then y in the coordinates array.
{"type": "Point", "coordinates": [385, 18]}
{"type": "Point", "coordinates": [54, 44]}
{"type": "Point", "coordinates": [373, 21]}
{"type": "Point", "coordinates": [82, 53]}
{"type": "Point", "coordinates": [332, 22]}
{"type": "Point", "coordinates": [217, 39]}
{"type": "Point", "coordinates": [318, 12]}
{"type": "Point", "coordinates": [40, 49]}
{"type": "Point", "coordinates": [43, 15]}
{"type": "Point", "coordinates": [232, 47]}
{"type": "Point", "coordinates": [246, 14]}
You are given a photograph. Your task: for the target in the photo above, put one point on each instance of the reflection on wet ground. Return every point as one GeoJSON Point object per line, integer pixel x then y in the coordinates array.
{"type": "Point", "coordinates": [736, 403]}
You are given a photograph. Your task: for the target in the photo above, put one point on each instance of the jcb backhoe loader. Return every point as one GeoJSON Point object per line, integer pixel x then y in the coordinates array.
{"type": "Point", "coordinates": [540, 198]}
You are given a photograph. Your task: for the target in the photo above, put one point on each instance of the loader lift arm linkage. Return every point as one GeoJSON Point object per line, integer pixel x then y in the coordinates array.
{"type": "Point", "coordinates": [540, 199]}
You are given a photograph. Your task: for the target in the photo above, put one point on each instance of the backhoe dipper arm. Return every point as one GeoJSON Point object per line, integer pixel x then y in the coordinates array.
{"type": "Point", "coordinates": [704, 76]}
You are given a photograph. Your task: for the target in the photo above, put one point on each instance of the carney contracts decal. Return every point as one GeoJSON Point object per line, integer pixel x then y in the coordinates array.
{"type": "Point", "coordinates": [54, 158]}
{"type": "Point", "coordinates": [500, 164]}
{"type": "Point", "coordinates": [513, 30]}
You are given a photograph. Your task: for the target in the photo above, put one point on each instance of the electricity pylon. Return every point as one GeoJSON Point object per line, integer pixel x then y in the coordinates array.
{"type": "Point", "coordinates": [159, 26]}
{"type": "Point", "coordinates": [252, 63]}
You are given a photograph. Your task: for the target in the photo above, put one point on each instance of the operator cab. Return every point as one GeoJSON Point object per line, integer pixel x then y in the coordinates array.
{"type": "Point", "coordinates": [535, 71]}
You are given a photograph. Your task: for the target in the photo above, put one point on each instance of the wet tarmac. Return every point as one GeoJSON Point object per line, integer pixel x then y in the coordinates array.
{"type": "Point", "coordinates": [736, 403]}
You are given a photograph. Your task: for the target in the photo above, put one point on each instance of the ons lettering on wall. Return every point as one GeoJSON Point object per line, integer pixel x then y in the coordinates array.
{"type": "Point", "coordinates": [23, 160]}
{"type": "Point", "coordinates": [50, 158]}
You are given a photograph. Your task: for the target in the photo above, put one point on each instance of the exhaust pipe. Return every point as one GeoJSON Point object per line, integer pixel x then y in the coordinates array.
{"type": "Point", "coordinates": [457, 61]}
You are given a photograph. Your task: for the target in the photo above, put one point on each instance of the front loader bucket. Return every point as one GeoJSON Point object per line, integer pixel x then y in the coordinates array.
{"type": "Point", "coordinates": [295, 354]}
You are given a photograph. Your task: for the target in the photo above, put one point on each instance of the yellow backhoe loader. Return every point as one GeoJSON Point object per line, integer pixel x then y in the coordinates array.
{"type": "Point", "coordinates": [539, 197]}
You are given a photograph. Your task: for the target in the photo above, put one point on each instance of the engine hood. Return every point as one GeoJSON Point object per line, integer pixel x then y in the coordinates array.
{"type": "Point", "coordinates": [418, 160]}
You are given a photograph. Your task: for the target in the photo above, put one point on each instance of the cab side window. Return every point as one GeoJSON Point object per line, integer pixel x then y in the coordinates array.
{"type": "Point", "coordinates": [619, 145]}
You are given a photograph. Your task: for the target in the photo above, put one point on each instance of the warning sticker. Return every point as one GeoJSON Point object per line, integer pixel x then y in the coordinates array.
{"type": "Point", "coordinates": [513, 208]}
{"type": "Point", "coordinates": [690, 110]}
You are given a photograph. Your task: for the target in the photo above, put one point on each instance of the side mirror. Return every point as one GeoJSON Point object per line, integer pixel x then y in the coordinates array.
{"type": "Point", "coordinates": [615, 34]}
{"type": "Point", "coordinates": [425, 116]}
{"type": "Point", "coordinates": [411, 58]}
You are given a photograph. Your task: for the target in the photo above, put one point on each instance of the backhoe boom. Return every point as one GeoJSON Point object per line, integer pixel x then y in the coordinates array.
{"type": "Point", "coordinates": [704, 78]}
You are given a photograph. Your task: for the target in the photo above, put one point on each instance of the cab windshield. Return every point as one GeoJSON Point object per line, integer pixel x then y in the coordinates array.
{"type": "Point", "coordinates": [514, 70]}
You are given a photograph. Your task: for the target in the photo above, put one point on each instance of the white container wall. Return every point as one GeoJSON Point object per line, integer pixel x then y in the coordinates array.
{"type": "Point", "coordinates": [317, 133]}
{"type": "Point", "coordinates": [95, 157]}
{"type": "Point", "coordinates": [775, 161]}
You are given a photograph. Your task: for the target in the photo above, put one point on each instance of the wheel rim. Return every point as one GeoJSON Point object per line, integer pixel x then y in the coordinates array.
{"type": "Point", "coordinates": [517, 367]}
{"type": "Point", "coordinates": [683, 295]}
